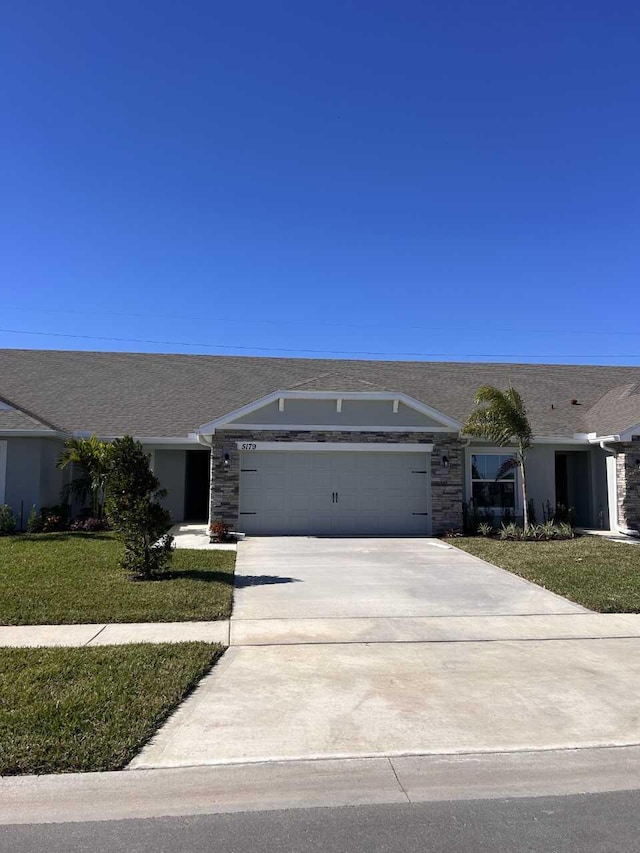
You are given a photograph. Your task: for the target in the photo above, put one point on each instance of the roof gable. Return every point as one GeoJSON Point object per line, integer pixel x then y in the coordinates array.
{"type": "Point", "coordinates": [390, 411]}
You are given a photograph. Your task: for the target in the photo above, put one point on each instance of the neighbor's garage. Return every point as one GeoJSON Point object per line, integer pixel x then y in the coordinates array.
{"type": "Point", "coordinates": [341, 493]}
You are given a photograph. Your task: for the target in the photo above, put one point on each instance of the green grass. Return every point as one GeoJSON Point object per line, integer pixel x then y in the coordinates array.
{"type": "Point", "coordinates": [597, 573]}
{"type": "Point", "coordinates": [64, 710]}
{"type": "Point", "coordinates": [75, 577]}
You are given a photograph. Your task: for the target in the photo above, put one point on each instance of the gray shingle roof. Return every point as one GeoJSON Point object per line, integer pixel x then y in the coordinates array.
{"type": "Point", "coordinates": [171, 395]}
{"type": "Point", "coordinates": [620, 406]}
{"type": "Point", "coordinates": [13, 418]}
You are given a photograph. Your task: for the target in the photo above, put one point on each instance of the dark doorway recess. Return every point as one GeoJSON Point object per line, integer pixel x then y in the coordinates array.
{"type": "Point", "coordinates": [573, 485]}
{"type": "Point", "coordinates": [196, 495]}
{"type": "Point", "coordinates": [562, 480]}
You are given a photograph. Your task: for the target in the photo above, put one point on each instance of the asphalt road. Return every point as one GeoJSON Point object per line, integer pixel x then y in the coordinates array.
{"type": "Point", "coordinates": [594, 823]}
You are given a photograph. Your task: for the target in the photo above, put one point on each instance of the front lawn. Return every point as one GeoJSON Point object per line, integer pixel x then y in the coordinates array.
{"type": "Point", "coordinates": [64, 710]}
{"type": "Point", "coordinates": [597, 573]}
{"type": "Point", "coordinates": [75, 577]}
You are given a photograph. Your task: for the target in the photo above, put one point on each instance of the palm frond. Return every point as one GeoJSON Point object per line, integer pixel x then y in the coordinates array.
{"type": "Point", "coordinates": [508, 465]}
{"type": "Point", "coordinates": [499, 417]}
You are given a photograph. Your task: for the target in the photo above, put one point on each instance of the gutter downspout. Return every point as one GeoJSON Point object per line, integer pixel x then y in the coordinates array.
{"type": "Point", "coordinates": [625, 531]}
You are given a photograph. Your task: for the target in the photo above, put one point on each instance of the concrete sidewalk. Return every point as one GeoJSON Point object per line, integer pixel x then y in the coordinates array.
{"type": "Point", "coordinates": [114, 634]}
{"type": "Point", "coordinates": [287, 632]}
{"type": "Point", "coordinates": [195, 537]}
{"type": "Point", "coordinates": [434, 629]}
{"type": "Point", "coordinates": [307, 784]}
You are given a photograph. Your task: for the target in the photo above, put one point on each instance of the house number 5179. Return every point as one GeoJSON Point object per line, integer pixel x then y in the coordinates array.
{"type": "Point", "coordinates": [248, 447]}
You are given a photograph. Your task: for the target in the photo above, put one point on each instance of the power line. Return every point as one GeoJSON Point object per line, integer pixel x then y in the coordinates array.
{"type": "Point", "coordinates": [305, 350]}
{"type": "Point", "coordinates": [329, 324]}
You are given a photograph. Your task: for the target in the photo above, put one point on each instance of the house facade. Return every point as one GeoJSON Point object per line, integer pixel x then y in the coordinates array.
{"type": "Point", "coordinates": [326, 447]}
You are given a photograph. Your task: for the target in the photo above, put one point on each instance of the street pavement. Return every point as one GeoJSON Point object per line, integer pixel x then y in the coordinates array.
{"type": "Point", "coordinates": [595, 823]}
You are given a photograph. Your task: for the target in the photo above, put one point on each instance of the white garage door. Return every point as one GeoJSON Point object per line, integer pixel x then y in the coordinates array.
{"type": "Point", "coordinates": [334, 493]}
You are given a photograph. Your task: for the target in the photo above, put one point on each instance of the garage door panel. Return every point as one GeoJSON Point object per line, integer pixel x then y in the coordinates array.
{"type": "Point", "coordinates": [291, 492]}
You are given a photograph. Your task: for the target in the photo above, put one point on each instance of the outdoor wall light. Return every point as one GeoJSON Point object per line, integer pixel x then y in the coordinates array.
{"type": "Point", "coordinates": [445, 461]}
{"type": "Point", "coordinates": [226, 460]}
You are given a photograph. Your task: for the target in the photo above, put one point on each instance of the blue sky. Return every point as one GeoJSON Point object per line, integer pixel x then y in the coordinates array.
{"type": "Point", "coordinates": [446, 179]}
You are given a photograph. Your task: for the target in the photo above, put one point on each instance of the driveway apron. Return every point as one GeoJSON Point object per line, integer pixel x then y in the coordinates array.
{"type": "Point", "coordinates": [386, 647]}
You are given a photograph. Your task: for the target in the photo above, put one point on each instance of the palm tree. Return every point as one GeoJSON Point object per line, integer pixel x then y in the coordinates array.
{"type": "Point", "coordinates": [501, 417]}
{"type": "Point", "coordinates": [93, 456]}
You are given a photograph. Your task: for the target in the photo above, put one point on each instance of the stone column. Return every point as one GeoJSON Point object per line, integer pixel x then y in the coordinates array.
{"type": "Point", "coordinates": [628, 477]}
{"type": "Point", "coordinates": [225, 482]}
{"type": "Point", "coordinates": [447, 487]}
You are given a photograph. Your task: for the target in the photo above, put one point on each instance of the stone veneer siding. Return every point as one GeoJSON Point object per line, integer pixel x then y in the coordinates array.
{"type": "Point", "coordinates": [446, 483]}
{"type": "Point", "coordinates": [628, 477]}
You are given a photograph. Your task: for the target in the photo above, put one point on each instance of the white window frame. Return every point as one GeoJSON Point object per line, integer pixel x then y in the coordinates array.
{"type": "Point", "coordinates": [3, 471]}
{"type": "Point", "coordinates": [493, 451]}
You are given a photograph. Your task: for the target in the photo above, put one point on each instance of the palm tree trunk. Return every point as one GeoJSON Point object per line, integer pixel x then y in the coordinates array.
{"type": "Point", "coordinates": [525, 506]}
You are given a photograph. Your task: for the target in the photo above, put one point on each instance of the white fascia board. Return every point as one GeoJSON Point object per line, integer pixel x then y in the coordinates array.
{"type": "Point", "coordinates": [190, 439]}
{"type": "Point", "coordinates": [34, 433]}
{"type": "Point", "coordinates": [164, 439]}
{"type": "Point", "coordinates": [429, 411]}
{"type": "Point", "coordinates": [539, 439]}
{"type": "Point", "coordinates": [346, 446]}
{"type": "Point", "coordinates": [210, 427]}
{"type": "Point", "coordinates": [331, 428]}
{"type": "Point", "coordinates": [560, 439]}
{"type": "Point", "coordinates": [422, 408]}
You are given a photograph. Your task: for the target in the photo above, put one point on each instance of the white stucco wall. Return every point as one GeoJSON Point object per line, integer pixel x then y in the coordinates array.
{"type": "Point", "coordinates": [32, 477]}
{"type": "Point", "coordinates": [541, 477]}
{"type": "Point", "coordinates": [169, 467]}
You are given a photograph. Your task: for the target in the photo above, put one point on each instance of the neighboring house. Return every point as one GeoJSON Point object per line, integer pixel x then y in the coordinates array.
{"type": "Point", "coordinates": [298, 446]}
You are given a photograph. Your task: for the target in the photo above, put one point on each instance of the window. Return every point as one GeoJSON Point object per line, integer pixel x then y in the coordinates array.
{"type": "Point", "coordinates": [493, 485]}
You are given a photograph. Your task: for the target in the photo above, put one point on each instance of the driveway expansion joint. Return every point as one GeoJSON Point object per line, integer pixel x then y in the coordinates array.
{"type": "Point", "coordinates": [397, 778]}
{"type": "Point", "coordinates": [88, 643]}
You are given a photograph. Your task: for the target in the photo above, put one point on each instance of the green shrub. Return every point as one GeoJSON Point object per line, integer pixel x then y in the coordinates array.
{"type": "Point", "coordinates": [35, 522]}
{"type": "Point", "coordinates": [485, 529]}
{"type": "Point", "coordinates": [134, 511]}
{"type": "Point", "coordinates": [50, 519]}
{"type": "Point", "coordinates": [565, 531]}
{"type": "Point", "coordinates": [510, 531]}
{"type": "Point", "coordinates": [545, 532]}
{"type": "Point", "coordinates": [7, 520]}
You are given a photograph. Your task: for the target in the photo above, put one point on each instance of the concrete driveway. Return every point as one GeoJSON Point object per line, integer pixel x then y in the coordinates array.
{"type": "Point", "coordinates": [353, 648]}
{"type": "Point", "coordinates": [308, 578]}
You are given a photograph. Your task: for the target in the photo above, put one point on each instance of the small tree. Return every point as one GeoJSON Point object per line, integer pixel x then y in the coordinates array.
{"type": "Point", "coordinates": [134, 511]}
{"type": "Point", "coordinates": [7, 520]}
{"type": "Point", "coordinates": [501, 417]}
{"type": "Point", "coordinates": [93, 456]}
